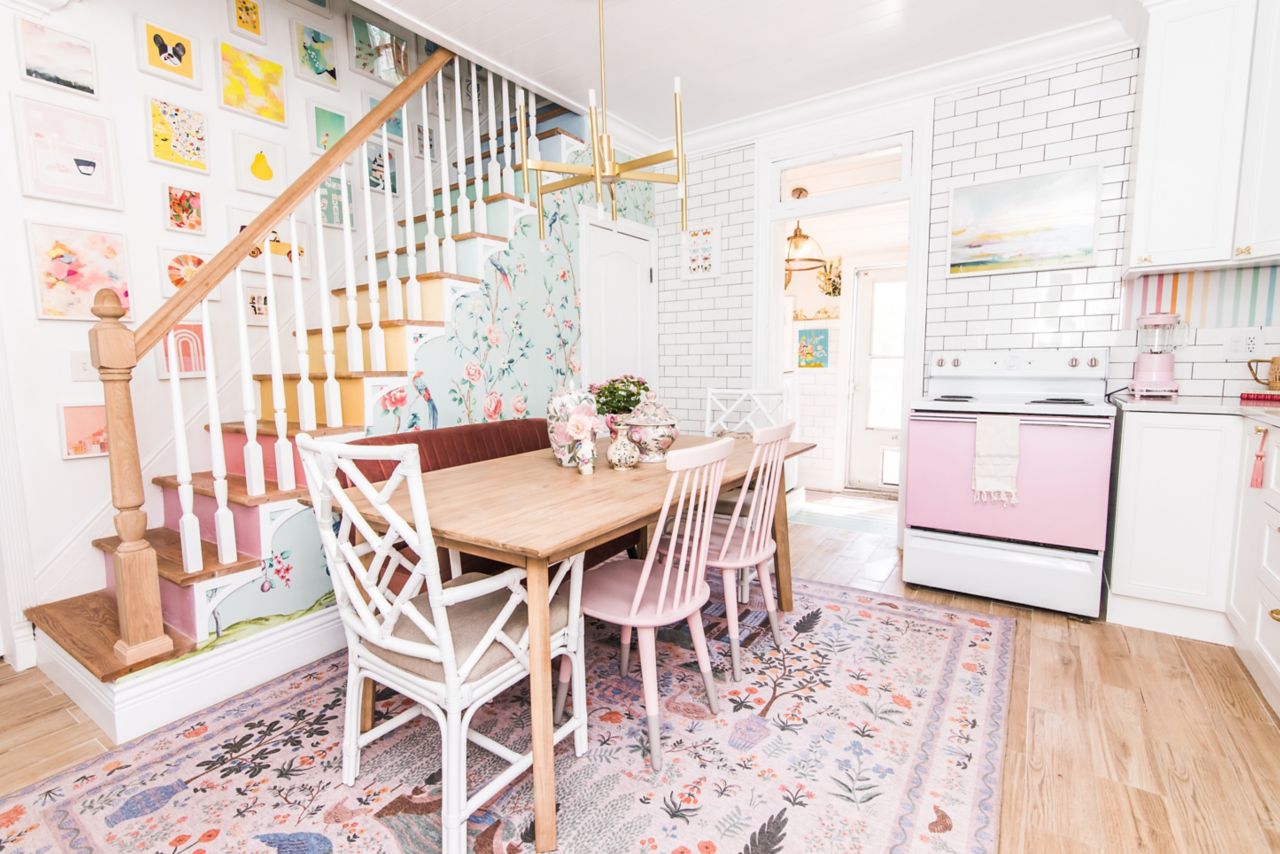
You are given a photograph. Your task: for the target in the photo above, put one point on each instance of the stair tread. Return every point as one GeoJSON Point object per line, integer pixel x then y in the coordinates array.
{"type": "Point", "coordinates": [168, 547]}
{"type": "Point", "coordinates": [493, 198]}
{"type": "Point", "coordinates": [466, 235]}
{"type": "Point", "coordinates": [88, 626]}
{"type": "Point", "coordinates": [422, 277]}
{"type": "Point", "coordinates": [542, 134]}
{"type": "Point", "coordinates": [267, 427]}
{"type": "Point", "coordinates": [320, 375]}
{"type": "Point", "coordinates": [385, 324]}
{"type": "Point", "coordinates": [237, 488]}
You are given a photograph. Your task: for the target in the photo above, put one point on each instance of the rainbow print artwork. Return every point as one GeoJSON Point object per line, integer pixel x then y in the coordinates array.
{"type": "Point", "coordinates": [1245, 296]}
{"type": "Point", "coordinates": [1034, 222]}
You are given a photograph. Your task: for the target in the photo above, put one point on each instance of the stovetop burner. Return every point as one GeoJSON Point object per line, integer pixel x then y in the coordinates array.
{"type": "Point", "coordinates": [1069, 401]}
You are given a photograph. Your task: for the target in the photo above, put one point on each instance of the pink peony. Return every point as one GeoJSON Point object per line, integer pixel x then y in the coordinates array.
{"type": "Point", "coordinates": [581, 426]}
{"type": "Point", "coordinates": [393, 399]}
{"type": "Point", "coordinates": [494, 335]}
{"type": "Point", "coordinates": [492, 406]}
{"type": "Point", "coordinates": [519, 406]}
{"type": "Point", "coordinates": [472, 372]}
{"type": "Point", "coordinates": [549, 311]}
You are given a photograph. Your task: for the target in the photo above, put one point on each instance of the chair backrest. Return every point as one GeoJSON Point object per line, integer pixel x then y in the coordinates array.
{"type": "Point", "coordinates": [743, 411]}
{"type": "Point", "coordinates": [759, 494]}
{"type": "Point", "coordinates": [687, 511]}
{"type": "Point", "coordinates": [382, 529]}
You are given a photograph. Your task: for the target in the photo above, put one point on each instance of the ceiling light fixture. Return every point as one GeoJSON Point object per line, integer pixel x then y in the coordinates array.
{"type": "Point", "coordinates": [604, 170]}
{"type": "Point", "coordinates": [803, 252]}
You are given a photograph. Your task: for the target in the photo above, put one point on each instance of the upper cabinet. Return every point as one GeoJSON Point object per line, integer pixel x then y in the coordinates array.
{"type": "Point", "coordinates": [1191, 127]}
{"type": "Point", "coordinates": [1258, 220]}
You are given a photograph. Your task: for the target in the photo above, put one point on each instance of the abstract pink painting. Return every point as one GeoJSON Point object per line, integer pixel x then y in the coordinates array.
{"type": "Point", "coordinates": [73, 264]}
{"type": "Point", "coordinates": [84, 430]}
{"type": "Point", "coordinates": [188, 342]}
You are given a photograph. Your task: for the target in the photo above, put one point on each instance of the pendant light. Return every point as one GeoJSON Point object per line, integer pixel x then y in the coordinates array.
{"type": "Point", "coordinates": [803, 252]}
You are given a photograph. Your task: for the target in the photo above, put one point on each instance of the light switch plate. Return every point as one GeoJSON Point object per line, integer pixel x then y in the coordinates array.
{"type": "Point", "coordinates": [1243, 344]}
{"type": "Point", "coordinates": [82, 370]}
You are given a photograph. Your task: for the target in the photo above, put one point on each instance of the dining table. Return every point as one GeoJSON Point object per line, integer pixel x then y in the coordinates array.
{"type": "Point", "coordinates": [527, 510]}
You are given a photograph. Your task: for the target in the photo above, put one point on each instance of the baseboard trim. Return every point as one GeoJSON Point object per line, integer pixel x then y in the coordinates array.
{"type": "Point", "coordinates": [1194, 623]}
{"type": "Point", "coordinates": [141, 702]}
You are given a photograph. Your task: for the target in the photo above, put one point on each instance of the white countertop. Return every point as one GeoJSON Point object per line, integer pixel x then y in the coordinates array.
{"type": "Point", "coordinates": [1268, 413]}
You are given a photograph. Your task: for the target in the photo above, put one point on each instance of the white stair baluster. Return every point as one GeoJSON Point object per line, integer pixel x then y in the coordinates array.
{"type": "Point", "coordinates": [377, 349]}
{"type": "Point", "coordinates": [524, 167]}
{"type": "Point", "coordinates": [284, 450]}
{"type": "Point", "coordinates": [412, 287]}
{"type": "Point", "coordinates": [355, 346]}
{"type": "Point", "coordinates": [448, 249]}
{"type": "Point", "coordinates": [534, 151]}
{"type": "Point", "coordinates": [395, 283]}
{"type": "Point", "coordinates": [254, 479]}
{"type": "Point", "coordinates": [188, 524]}
{"type": "Point", "coordinates": [495, 172]}
{"type": "Point", "coordinates": [480, 217]}
{"type": "Point", "coordinates": [460, 155]}
{"type": "Point", "coordinates": [224, 529]}
{"type": "Point", "coordinates": [508, 137]}
{"type": "Point", "coordinates": [306, 391]}
{"type": "Point", "coordinates": [428, 192]}
{"type": "Point", "coordinates": [332, 397]}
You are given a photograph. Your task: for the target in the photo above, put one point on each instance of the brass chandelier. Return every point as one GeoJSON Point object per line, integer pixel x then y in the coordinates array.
{"type": "Point", "coordinates": [604, 169]}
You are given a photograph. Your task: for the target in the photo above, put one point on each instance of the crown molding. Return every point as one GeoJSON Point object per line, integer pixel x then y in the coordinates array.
{"type": "Point", "coordinates": [36, 8]}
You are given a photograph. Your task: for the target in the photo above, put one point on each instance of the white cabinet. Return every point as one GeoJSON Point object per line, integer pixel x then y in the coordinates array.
{"type": "Point", "coordinates": [1253, 603]}
{"type": "Point", "coordinates": [1175, 513]}
{"type": "Point", "coordinates": [1258, 219]}
{"type": "Point", "coordinates": [1251, 538]}
{"type": "Point", "coordinates": [1191, 119]}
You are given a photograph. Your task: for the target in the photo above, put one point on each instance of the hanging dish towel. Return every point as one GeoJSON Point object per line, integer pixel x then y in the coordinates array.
{"type": "Point", "coordinates": [995, 459]}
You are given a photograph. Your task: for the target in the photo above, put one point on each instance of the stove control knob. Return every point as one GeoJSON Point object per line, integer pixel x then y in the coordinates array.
{"type": "Point", "coordinates": [941, 362]}
{"type": "Point", "coordinates": [1093, 361]}
{"type": "Point", "coordinates": [1073, 362]}
{"type": "Point", "coordinates": [955, 363]}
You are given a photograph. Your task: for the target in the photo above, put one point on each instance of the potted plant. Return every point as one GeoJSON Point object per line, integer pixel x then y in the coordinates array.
{"type": "Point", "coordinates": [618, 397]}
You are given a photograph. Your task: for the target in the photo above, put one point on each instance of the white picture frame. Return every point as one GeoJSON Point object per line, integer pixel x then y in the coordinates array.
{"type": "Point", "coordinates": [175, 160]}
{"type": "Point", "coordinates": [1025, 200]}
{"type": "Point", "coordinates": [395, 125]}
{"type": "Point", "coordinates": [314, 121]}
{"type": "Point", "coordinates": [255, 297]}
{"type": "Point", "coordinates": [280, 98]}
{"type": "Point", "coordinates": [252, 154]}
{"type": "Point", "coordinates": [261, 36]}
{"type": "Point", "coordinates": [323, 8]}
{"type": "Point", "coordinates": [283, 256]}
{"type": "Point", "coordinates": [167, 188]}
{"type": "Point", "coordinates": [72, 160]}
{"type": "Point", "coordinates": [189, 334]}
{"type": "Point", "coordinates": [193, 52]}
{"type": "Point", "coordinates": [700, 251]}
{"type": "Point", "coordinates": [297, 27]}
{"type": "Point", "coordinates": [387, 77]}
{"type": "Point", "coordinates": [64, 441]}
{"type": "Point", "coordinates": [44, 63]}
{"type": "Point", "coordinates": [166, 256]}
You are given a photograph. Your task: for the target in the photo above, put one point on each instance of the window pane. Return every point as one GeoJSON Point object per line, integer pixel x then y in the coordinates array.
{"type": "Point", "coordinates": [884, 398]}
{"type": "Point", "coordinates": [881, 166]}
{"type": "Point", "coordinates": [888, 318]}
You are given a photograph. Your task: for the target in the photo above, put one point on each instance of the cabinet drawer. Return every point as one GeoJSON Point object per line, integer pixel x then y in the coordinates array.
{"type": "Point", "coordinates": [1267, 637]}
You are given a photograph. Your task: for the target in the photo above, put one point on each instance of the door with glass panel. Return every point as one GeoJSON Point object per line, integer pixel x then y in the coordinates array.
{"type": "Point", "coordinates": [875, 419]}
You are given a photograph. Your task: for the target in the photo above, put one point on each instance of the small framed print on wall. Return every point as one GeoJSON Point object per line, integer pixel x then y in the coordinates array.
{"type": "Point", "coordinates": [259, 165]}
{"type": "Point", "coordinates": [255, 306]}
{"type": "Point", "coordinates": [71, 265]}
{"type": "Point", "coordinates": [700, 252]}
{"type": "Point", "coordinates": [315, 55]}
{"type": "Point", "coordinates": [178, 267]}
{"type": "Point", "coordinates": [168, 54]}
{"type": "Point", "coordinates": [247, 20]}
{"type": "Point", "coordinates": [327, 126]}
{"type": "Point", "coordinates": [185, 209]}
{"type": "Point", "coordinates": [179, 136]}
{"type": "Point", "coordinates": [320, 7]}
{"type": "Point", "coordinates": [188, 346]}
{"type": "Point", "coordinates": [66, 156]}
{"type": "Point", "coordinates": [83, 430]}
{"type": "Point", "coordinates": [56, 59]}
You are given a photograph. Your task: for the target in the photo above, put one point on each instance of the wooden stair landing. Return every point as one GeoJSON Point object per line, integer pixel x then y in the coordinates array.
{"type": "Point", "coordinates": [88, 626]}
{"type": "Point", "coordinates": [422, 277]}
{"type": "Point", "coordinates": [168, 548]}
{"type": "Point", "coordinates": [267, 427]}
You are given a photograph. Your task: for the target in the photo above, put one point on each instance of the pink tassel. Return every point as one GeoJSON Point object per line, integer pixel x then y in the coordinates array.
{"type": "Point", "coordinates": [1255, 482]}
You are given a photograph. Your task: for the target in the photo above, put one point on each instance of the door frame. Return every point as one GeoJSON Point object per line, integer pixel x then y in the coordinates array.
{"type": "Point", "coordinates": [591, 218]}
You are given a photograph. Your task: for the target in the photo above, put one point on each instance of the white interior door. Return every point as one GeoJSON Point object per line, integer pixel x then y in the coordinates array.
{"type": "Point", "coordinates": [875, 418]}
{"type": "Point", "coordinates": [619, 301]}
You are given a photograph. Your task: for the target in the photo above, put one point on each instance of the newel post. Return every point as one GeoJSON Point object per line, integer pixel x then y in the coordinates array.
{"type": "Point", "coordinates": [112, 350]}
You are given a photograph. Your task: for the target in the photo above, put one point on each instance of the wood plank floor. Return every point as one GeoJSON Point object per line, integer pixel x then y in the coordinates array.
{"type": "Point", "coordinates": [1119, 740]}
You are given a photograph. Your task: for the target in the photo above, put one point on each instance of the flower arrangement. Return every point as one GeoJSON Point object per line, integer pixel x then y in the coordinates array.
{"type": "Point", "coordinates": [619, 395]}
{"type": "Point", "coordinates": [572, 423]}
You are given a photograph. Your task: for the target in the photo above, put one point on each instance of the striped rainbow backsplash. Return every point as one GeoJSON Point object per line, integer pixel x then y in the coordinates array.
{"type": "Point", "coordinates": [1244, 296]}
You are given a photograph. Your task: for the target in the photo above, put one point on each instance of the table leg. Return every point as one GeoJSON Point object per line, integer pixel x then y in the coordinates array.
{"type": "Point", "coordinates": [782, 558]}
{"type": "Point", "coordinates": [541, 695]}
{"type": "Point", "coordinates": [367, 696]}
{"type": "Point", "coordinates": [644, 537]}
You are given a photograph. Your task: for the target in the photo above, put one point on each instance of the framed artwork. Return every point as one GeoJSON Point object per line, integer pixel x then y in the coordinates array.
{"type": "Point", "coordinates": [700, 252]}
{"type": "Point", "coordinates": [255, 306]}
{"type": "Point", "coordinates": [177, 267]}
{"type": "Point", "coordinates": [71, 265]}
{"type": "Point", "coordinates": [188, 345]}
{"type": "Point", "coordinates": [247, 20]}
{"type": "Point", "coordinates": [283, 253]}
{"type": "Point", "coordinates": [179, 136]}
{"type": "Point", "coordinates": [395, 124]}
{"type": "Point", "coordinates": [83, 429]}
{"type": "Point", "coordinates": [168, 54]}
{"type": "Point", "coordinates": [327, 127]}
{"type": "Point", "coordinates": [813, 348]}
{"type": "Point", "coordinates": [331, 209]}
{"type": "Point", "coordinates": [425, 139]}
{"type": "Point", "coordinates": [251, 84]}
{"type": "Point", "coordinates": [185, 210]}
{"type": "Point", "coordinates": [320, 7]}
{"type": "Point", "coordinates": [66, 155]}
{"type": "Point", "coordinates": [1033, 222]}
{"type": "Point", "coordinates": [315, 55]}
{"type": "Point", "coordinates": [378, 171]}
{"type": "Point", "coordinates": [259, 165]}
{"type": "Point", "coordinates": [377, 52]}
{"type": "Point", "coordinates": [56, 59]}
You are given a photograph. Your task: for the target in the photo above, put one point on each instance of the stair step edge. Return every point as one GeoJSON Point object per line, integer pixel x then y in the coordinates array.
{"type": "Point", "coordinates": [166, 541]}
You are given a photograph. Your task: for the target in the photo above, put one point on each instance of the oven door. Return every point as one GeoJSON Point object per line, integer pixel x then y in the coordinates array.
{"type": "Point", "coordinates": [1064, 477]}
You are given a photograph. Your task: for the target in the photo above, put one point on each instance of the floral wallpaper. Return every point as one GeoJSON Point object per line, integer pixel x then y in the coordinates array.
{"type": "Point", "coordinates": [516, 340]}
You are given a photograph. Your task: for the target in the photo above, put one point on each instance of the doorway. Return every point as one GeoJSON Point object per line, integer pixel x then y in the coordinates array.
{"type": "Point", "coordinates": [874, 457]}
{"type": "Point", "coordinates": [619, 299]}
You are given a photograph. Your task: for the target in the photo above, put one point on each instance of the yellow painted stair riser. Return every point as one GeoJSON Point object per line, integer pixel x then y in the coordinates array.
{"type": "Point", "coordinates": [394, 337]}
{"type": "Point", "coordinates": [350, 392]}
{"type": "Point", "coordinates": [431, 292]}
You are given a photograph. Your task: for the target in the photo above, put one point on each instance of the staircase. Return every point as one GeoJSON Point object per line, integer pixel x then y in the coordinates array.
{"type": "Point", "coordinates": [236, 556]}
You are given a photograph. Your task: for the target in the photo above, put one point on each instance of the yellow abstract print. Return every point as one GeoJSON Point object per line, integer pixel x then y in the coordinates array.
{"type": "Point", "coordinates": [252, 84]}
{"type": "Point", "coordinates": [248, 16]}
{"type": "Point", "coordinates": [178, 136]}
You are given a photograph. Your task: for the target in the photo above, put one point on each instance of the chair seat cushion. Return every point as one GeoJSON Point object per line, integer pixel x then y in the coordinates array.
{"type": "Point", "coordinates": [608, 590]}
{"type": "Point", "coordinates": [468, 623]}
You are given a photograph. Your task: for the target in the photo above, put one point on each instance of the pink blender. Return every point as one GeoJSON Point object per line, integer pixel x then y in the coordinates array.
{"type": "Point", "coordinates": [1158, 336]}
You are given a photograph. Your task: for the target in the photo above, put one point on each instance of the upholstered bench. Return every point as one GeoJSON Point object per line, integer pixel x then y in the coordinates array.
{"type": "Point", "coordinates": [447, 447]}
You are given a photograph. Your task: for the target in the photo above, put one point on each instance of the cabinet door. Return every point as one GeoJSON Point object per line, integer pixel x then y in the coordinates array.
{"type": "Point", "coordinates": [1195, 83]}
{"type": "Point", "coordinates": [1251, 542]}
{"type": "Point", "coordinates": [1258, 220]}
{"type": "Point", "coordinates": [1176, 499]}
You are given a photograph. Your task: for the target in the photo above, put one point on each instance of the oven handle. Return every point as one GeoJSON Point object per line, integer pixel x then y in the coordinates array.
{"type": "Point", "coordinates": [1098, 424]}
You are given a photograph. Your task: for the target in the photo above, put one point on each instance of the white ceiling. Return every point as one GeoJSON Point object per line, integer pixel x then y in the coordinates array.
{"type": "Point", "coordinates": [735, 57]}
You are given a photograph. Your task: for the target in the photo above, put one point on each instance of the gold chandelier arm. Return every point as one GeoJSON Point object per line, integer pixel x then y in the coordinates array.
{"type": "Point", "coordinates": [652, 177]}
{"type": "Point", "coordinates": [648, 160]}
{"type": "Point", "coordinates": [682, 185]}
{"type": "Point", "coordinates": [562, 168]}
{"type": "Point", "coordinates": [595, 157]}
{"type": "Point", "coordinates": [563, 184]}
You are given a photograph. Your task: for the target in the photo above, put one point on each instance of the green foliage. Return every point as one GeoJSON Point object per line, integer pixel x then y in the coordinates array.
{"type": "Point", "coordinates": [619, 395]}
{"type": "Point", "coordinates": [769, 838]}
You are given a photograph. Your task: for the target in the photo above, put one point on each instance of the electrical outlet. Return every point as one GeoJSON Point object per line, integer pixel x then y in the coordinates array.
{"type": "Point", "coordinates": [1243, 344]}
{"type": "Point", "coordinates": [82, 370]}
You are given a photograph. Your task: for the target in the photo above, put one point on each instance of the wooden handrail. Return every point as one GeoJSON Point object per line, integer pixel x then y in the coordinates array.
{"type": "Point", "coordinates": [152, 331]}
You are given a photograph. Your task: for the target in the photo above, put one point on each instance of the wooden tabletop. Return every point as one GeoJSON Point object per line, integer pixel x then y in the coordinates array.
{"type": "Point", "coordinates": [531, 506]}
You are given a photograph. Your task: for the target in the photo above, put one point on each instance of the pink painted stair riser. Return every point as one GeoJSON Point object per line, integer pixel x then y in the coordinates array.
{"type": "Point", "coordinates": [247, 520]}
{"type": "Point", "coordinates": [233, 447]}
{"type": "Point", "coordinates": [177, 604]}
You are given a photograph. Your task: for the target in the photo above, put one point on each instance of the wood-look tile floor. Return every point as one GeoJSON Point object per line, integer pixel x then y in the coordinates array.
{"type": "Point", "coordinates": [1118, 739]}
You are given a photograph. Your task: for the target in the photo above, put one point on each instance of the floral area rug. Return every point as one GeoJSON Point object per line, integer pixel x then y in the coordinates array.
{"type": "Point", "coordinates": [880, 727]}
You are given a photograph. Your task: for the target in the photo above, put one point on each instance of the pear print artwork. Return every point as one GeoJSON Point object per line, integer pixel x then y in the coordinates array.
{"type": "Point", "coordinates": [260, 165]}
